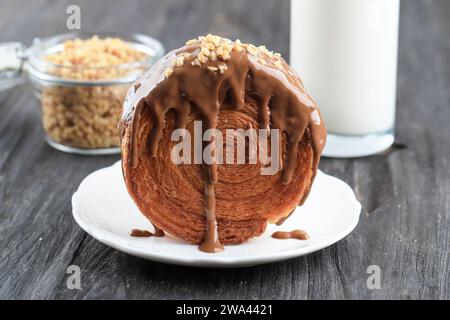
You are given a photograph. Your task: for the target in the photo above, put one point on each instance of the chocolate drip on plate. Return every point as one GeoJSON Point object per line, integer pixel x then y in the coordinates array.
{"type": "Point", "coordinates": [295, 234]}
{"type": "Point", "coordinates": [138, 233]}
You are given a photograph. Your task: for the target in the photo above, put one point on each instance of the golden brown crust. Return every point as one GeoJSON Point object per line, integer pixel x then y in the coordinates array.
{"type": "Point", "coordinates": [226, 85]}
{"type": "Point", "coordinates": [171, 196]}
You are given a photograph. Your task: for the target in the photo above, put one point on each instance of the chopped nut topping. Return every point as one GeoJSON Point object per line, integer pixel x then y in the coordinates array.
{"type": "Point", "coordinates": [168, 72]}
{"type": "Point", "coordinates": [213, 39]}
{"type": "Point", "coordinates": [191, 42]}
{"type": "Point", "coordinates": [179, 62]}
{"type": "Point", "coordinates": [202, 58]}
{"type": "Point", "coordinates": [252, 50]}
{"type": "Point", "coordinates": [196, 62]}
{"type": "Point", "coordinates": [226, 55]}
{"type": "Point", "coordinates": [277, 64]}
{"type": "Point", "coordinates": [213, 48]}
{"type": "Point", "coordinates": [222, 68]}
{"type": "Point", "coordinates": [205, 51]}
{"type": "Point", "coordinates": [263, 49]}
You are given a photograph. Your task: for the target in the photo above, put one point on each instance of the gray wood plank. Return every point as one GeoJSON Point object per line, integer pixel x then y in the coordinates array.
{"type": "Point", "coordinates": [405, 222]}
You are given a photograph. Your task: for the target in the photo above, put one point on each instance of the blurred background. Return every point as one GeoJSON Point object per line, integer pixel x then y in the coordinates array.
{"type": "Point", "coordinates": [171, 21]}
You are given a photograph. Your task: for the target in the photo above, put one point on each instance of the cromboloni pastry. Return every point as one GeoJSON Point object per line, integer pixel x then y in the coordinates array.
{"type": "Point", "coordinates": [215, 83]}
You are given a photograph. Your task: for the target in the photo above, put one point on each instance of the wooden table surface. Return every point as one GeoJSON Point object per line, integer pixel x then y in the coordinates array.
{"type": "Point", "coordinates": [404, 227]}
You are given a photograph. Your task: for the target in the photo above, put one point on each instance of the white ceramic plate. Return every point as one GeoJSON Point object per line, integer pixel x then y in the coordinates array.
{"type": "Point", "coordinates": [103, 208]}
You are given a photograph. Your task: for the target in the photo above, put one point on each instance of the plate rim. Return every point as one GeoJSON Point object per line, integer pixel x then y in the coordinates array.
{"type": "Point", "coordinates": [210, 260]}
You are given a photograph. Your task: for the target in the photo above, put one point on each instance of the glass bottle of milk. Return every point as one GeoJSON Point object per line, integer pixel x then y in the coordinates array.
{"type": "Point", "coordinates": [346, 53]}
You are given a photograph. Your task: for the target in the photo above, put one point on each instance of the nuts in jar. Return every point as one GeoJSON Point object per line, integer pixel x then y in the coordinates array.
{"type": "Point", "coordinates": [86, 117]}
{"type": "Point", "coordinates": [82, 87]}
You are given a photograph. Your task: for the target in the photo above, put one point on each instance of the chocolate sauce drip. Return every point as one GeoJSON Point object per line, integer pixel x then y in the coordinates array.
{"type": "Point", "coordinates": [284, 105]}
{"type": "Point", "coordinates": [211, 243]}
{"type": "Point", "coordinates": [138, 233]}
{"type": "Point", "coordinates": [158, 232]}
{"type": "Point", "coordinates": [295, 234]}
{"type": "Point", "coordinates": [282, 220]}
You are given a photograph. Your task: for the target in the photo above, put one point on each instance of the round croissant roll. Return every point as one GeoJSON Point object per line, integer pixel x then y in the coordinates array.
{"type": "Point", "coordinates": [220, 85]}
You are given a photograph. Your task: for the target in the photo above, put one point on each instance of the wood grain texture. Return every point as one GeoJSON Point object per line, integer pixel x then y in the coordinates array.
{"type": "Point", "coordinates": [404, 226]}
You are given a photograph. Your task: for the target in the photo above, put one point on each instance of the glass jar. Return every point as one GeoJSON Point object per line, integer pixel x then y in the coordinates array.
{"type": "Point", "coordinates": [81, 106]}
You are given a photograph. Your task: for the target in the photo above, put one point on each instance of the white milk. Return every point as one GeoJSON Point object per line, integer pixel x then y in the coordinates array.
{"type": "Point", "coordinates": [346, 53]}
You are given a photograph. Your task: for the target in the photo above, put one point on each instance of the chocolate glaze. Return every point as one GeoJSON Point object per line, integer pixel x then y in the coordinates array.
{"type": "Point", "coordinates": [158, 232]}
{"type": "Point", "coordinates": [140, 233]}
{"type": "Point", "coordinates": [295, 234]}
{"type": "Point", "coordinates": [284, 105]}
{"type": "Point", "coordinates": [145, 233]}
